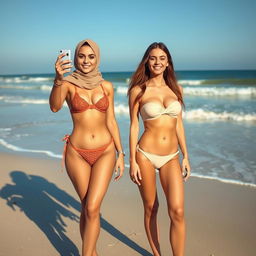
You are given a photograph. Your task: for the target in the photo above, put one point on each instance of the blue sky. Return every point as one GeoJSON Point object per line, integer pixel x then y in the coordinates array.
{"type": "Point", "coordinates": [200, 34]}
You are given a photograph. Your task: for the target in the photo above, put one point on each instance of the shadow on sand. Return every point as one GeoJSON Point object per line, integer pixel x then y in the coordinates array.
{"type": "Point", "coordinates": [45, 204]}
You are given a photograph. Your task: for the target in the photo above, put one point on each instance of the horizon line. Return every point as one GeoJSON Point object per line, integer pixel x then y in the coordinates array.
{"type": "Point", "coordinates": [178, 70]}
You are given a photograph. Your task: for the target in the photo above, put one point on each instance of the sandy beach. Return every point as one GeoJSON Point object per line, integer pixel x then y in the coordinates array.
{"type": "Point", "coordinates": [40, 211]}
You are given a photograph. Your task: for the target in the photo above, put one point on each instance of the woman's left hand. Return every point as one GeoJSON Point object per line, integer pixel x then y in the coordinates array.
{"type": "Point", "coordinates": [119, 166]}
{"type": "Point", "coordinates": [186, 170]}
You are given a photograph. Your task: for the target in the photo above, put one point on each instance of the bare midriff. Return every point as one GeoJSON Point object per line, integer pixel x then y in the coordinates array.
{"type": "Point", "coordinates": [159, 136]}
{"type": "Point", "coordinates": [90, 130]}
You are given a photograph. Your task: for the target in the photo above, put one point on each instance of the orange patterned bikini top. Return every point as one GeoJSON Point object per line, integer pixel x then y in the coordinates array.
{"type": "Point", "coordinates": [78, 104]}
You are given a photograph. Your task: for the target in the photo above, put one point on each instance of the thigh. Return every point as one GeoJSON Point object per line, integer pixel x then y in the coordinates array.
{"type": "Point", "coordinates": [172, 183]}
{"type": "Point", "coordinates": [101, 174]}
{"type": "Point", "coordinates": [78, 170]}
{"type": "Point", "coordinates": [148, 182]}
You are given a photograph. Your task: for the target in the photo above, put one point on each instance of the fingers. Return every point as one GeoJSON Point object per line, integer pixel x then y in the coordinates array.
{"type": "Point", "coordinates": [136, 180]}
{"type": "Point", "coordinates": [185, 172]}
{"type": "Point", "coordinates": [61, 55]}
{"type": "Point", "coordinates": [116, 173]}
{"type": "Point", "coordinates": [62, 66]}
{"type": "Point", "coordinates": [121, 168]}
{"type": "Point", "coordinates": [187, 176]}
{"type": "Point", "coordinates": [62, 69]}
{"type": "Point", "coordinates": [60, 61]}
{"type": "Point", "coordinates": [136, 177]}
{"type": "Point", "coordinates": [139, 175]}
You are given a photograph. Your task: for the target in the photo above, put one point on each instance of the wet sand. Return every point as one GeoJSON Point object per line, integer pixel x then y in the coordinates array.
{"type": "Point", "coordinates": [40, 211]}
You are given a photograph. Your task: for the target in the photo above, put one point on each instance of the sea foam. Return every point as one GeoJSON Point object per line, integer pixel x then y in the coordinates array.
{"type": "Point", "coordinates": [19, 149]}
{"type": "Point", "coordinates": [20, 100]}
{"type": "Point", "coordinates": [220, 91]}
{"type": "Point", "coordinates": [24, 79]}
{"type": "Point", "coordinates": [200, 114]}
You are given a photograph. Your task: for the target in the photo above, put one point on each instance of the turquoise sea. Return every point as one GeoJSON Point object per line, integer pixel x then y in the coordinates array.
{"type": "Point", "coordinates": [219, 118]}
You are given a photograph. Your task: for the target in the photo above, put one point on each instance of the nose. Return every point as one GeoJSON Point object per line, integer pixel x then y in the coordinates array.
{"type": "Point", "coordinates": [86, 59]}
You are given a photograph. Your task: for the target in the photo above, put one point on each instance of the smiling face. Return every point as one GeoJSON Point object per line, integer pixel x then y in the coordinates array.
{"type": "Point", "coordinates": [86, 59]}
{"type": "Point", "coordinates": [157, 62]}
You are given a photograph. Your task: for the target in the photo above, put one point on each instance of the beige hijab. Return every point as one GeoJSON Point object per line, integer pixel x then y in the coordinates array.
{"type": "Point", "coordinates": [86, 80]}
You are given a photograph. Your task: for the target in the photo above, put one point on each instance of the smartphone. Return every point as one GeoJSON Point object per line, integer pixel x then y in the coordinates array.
{"type": "Point", "coordinates": [67, 54]}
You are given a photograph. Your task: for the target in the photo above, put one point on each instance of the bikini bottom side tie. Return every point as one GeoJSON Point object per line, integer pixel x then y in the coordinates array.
{"type": "Point", "coordinates": [89, 155]}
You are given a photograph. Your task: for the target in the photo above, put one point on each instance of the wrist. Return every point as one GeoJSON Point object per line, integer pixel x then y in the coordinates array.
{"type": "Point", "coordinates": [132, 161]}
{"type": "Point", "coordinates": [120, 152]}
{"type": "Point", "coordinates": [57, 81]}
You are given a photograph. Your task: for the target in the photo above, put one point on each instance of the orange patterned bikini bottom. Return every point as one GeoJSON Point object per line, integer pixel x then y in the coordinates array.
{"type": "Point", "coordinates": [89, 155]}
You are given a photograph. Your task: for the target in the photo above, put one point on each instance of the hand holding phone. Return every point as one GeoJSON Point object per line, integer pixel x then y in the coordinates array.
{"type": "Point", "coordinates": [63, 63]}
{"type": "Point", "coordinates": [67, 55]}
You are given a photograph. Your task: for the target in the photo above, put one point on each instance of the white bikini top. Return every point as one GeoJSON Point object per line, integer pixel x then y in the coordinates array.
{"type": "Point", "coordinates": [153, 110]}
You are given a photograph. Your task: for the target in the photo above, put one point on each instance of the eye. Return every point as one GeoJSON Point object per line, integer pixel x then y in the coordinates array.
{"type": "Point", "coordinates": [163, 58]}
{"type": "Point", "coordinates": [92, 56]}
{"type": "Point", "coordinates": [151, 58]}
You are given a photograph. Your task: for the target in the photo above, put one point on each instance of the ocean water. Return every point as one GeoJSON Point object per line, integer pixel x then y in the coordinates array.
{"type": "Point", "coordinates": [219, 119]}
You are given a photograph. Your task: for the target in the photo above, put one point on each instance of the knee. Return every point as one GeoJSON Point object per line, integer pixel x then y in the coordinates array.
{"type": "Point", "coordinates": [177, 214]}
{"type": "Point", "coordinates": [92, 210]}
{"type": "Point", "coordinates": [151, 209]}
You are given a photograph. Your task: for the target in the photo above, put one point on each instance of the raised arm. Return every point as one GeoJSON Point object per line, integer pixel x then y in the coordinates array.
{"type": "Point", "coordinates": [134, 134]}
{"type": "Point", "coordinates": [114, 130]}
{"type": "Point", "coordinates": [60, 88]}
{"type": "Point", "coordinates": [183, 146]}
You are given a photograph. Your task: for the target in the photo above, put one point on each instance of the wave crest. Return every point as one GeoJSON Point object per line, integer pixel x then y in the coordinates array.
{"type": "Point", "coordinates": [24, 79]}
{"type": "Point", "coordinates": [221, 91]}
{"type": "Point", "coordinates": [20, 100]}
{"type": "Point", "coordinates": [19, 149]}
{"type": "Point", "coordinates": [200, 114]}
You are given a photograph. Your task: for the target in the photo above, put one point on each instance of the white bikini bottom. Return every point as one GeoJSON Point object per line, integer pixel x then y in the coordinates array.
{"type": "Point", "coordinates": [156, 160]}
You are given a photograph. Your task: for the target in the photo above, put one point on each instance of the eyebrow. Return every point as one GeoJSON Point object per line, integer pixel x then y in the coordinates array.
{"type": "Point", "coordinates": [157, 56]}
{"type": "Point", "coordinates": [90, 54]}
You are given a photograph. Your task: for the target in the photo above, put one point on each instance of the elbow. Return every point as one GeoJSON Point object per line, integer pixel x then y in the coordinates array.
{"type": "Point", "coordinates": [54, 109]}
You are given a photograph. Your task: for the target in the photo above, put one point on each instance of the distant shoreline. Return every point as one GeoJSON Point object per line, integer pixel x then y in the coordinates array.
{"type": "Point", "coordinates": [105, 72]}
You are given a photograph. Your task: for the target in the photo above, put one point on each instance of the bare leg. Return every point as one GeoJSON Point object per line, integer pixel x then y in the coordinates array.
{"type": "Point", "coordinates": [79, 172]}
{"type": "Point", "coordinates": [150, 201]}
{"type": "Point", "coordinates": [172, 183]}
{"type": "Point", "coordinates": [101, 175]}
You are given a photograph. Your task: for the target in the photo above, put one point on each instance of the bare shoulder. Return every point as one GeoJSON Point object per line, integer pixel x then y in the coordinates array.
{"type": "Point", "coordinates": [180, 88]}
{"type": "Point", "coordinates": [67, 85]}
{"type": "Point", "coordinates": [108, 87]}
{"type": "Point", "coordinates": [134, 92]}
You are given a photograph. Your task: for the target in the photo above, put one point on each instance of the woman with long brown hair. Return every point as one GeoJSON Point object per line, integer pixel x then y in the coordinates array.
{"type": "Point", "coordinates": [156, 96]}
{"type": "Point", "coordinates": [90, 151]}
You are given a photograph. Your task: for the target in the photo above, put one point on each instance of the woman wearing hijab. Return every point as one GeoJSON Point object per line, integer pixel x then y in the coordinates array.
{"type": "Point", "coordinates": [90, 150]}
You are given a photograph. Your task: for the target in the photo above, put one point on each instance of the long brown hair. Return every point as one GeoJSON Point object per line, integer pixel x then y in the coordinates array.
{"type": "Point", "coordinates": [142, 73]}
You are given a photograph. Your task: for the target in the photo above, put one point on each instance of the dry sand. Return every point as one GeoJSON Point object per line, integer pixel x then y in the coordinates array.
{"type": "Point", "coordinates": [39, 213]}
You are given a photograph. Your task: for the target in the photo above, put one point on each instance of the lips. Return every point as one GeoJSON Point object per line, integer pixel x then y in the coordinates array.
{"type": "Point", "coordinates": [157, 67]}
{"type": "Point", "coordinates": [86, 66]}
